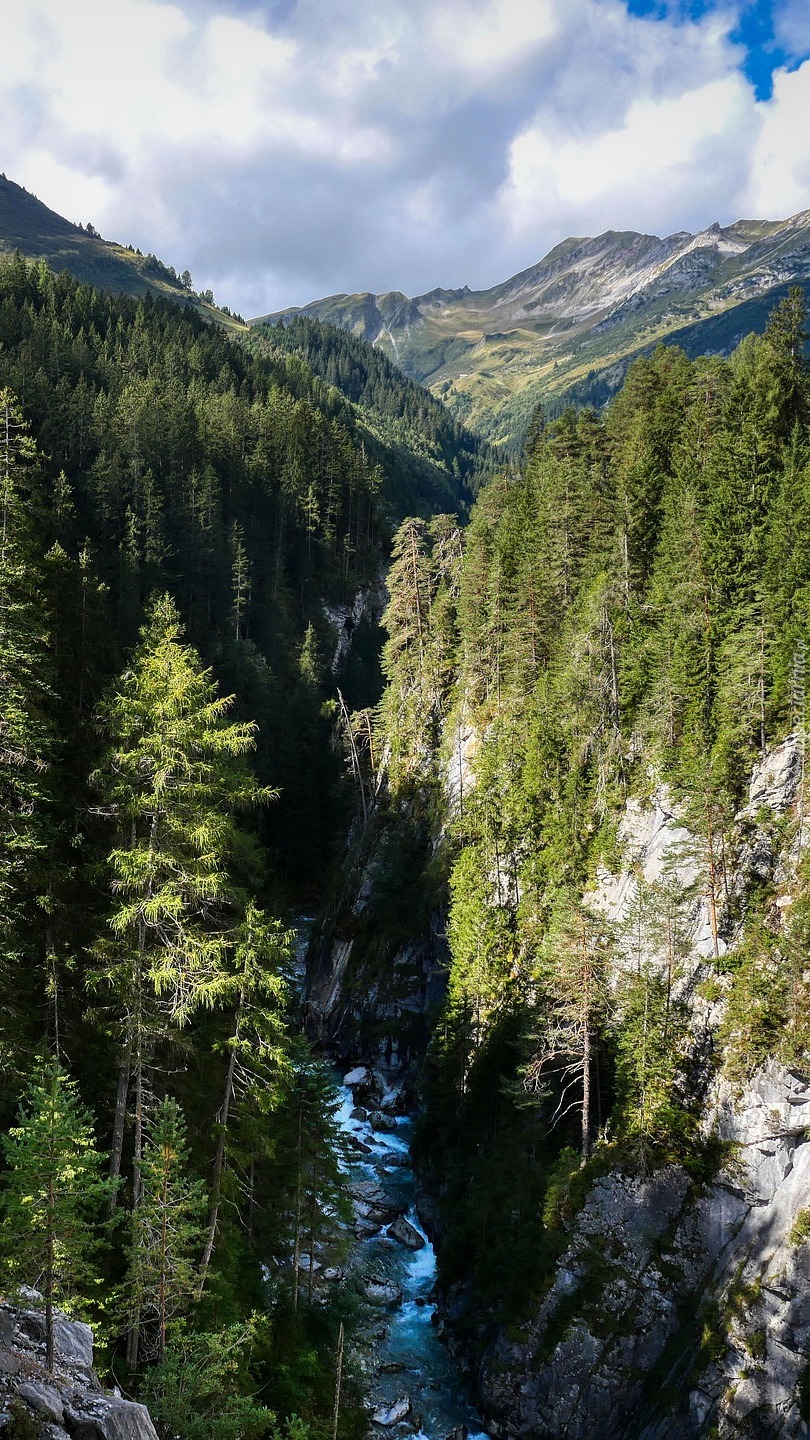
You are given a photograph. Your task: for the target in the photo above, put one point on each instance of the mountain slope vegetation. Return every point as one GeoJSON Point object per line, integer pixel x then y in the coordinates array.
{"type": "Point", "coordinates": [622, 628]}
{"type": "Point", "coordinates": [572, 323]}
{"type": "Point", "coordinates": [180, 517]}
{"type": "Point", "coordinates": [38, 233]}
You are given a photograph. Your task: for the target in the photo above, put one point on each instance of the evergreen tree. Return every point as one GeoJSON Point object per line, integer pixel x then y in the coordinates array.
{"type": "Point", "coordinates": [52, 1196]}
{"type": "Point", "coordinates": [172, 778]}
{"type": "Point", "coordinates": [166, 1235]}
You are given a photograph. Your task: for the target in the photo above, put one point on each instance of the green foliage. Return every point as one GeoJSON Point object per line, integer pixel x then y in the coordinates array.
{"type": "Point", "coordinates": [202, 1388]}
{"type": "Point", "coordinates": [166, 1230]}
{"type": "Point", "coordinates": [173, 777]}
{"type": "Point", "coordinates": [52, 1197]}
{"type": "Point", "coordinates": [630, 609]}
{"type": "Point", "coordinates": [439, 461]}
{"type": "Point", "coordinates": [800, 1231]}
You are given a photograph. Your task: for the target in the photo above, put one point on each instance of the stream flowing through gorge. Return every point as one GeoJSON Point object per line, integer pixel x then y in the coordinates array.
{"type": "Point", "coordinates": [415, 1388]}
{"type": "Point", "coordinates": [415, 1385]}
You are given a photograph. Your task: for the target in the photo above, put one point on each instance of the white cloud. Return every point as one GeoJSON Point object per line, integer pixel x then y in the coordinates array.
{"type": "Point", "coordinates": [386, 143]}
{"type": "Point", "coordinates": [779, 182]}
{"type": "Point", "coordinates": [644, 173]}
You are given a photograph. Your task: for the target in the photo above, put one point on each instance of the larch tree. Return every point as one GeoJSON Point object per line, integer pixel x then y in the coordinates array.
{"type": "Point", "coordinates": [172, 779]}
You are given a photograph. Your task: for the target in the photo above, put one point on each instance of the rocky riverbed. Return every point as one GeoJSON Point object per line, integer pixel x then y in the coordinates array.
{"type": "Point", "coordinates": [415, 1387]}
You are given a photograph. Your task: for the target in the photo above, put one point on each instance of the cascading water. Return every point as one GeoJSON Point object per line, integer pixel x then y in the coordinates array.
{"type": "Point", "coordinates": [415, 1385]}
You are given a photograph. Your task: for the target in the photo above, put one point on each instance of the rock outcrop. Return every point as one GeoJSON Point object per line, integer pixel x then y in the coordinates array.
{"type": "Point", "coordinates": [67, 1401]}
{"type": "Point", "coordinates": [681, 1308]}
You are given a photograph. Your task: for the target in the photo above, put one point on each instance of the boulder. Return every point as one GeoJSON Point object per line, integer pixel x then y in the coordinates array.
{"type": "Point", "coordinates": [366, 1229]}
{"type": "Point", "coordinates": [373, 1203]}
{"type": "Point", "coordinates": [392, 1414]}
{"type": "Point", "coordinates": [407, 1234]}
{"type": "Point", "coordinates": [359, 1146]}
{"type": "Point", "coordinates": [380, 1292]}
{"type": "Point", "coordinates": [358, 1076]}
{"type": "Point", "coordinates": [385, 1124]}
{"type": "Point", "coordinates": [108, 1418]}
{"type": "Point", "coordinates": [42, 1398]}
{"type": "Point", "coordinates": [72, 1340]}
{"type": "Point", "coordinates": [358, 1113]}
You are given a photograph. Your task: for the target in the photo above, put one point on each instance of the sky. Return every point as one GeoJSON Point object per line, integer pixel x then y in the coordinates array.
{"type": "Point", "coordinates": [283, 150]}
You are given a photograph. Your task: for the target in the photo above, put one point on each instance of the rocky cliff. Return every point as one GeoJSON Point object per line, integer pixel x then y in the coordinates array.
{"type": "Point", "coordinates": [681, 1307]}
{"type": "Point", "coordinates": [66, 1403]}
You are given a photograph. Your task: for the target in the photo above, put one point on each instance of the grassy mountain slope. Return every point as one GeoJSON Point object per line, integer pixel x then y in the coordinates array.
{"type": "Point", "coordinates": [38, 233]}
{"type": "Point", "coordinates": [576, 318]}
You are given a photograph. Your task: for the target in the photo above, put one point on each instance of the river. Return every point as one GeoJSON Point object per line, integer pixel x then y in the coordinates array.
{"type": "Point", "coordinates": [410, 1361]}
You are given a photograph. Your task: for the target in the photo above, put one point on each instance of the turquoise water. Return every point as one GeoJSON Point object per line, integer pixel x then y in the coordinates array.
{"type": "Point", "coordinates": [409, 1358]}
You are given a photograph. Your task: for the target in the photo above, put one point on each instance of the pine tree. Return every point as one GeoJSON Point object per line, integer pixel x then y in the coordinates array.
{"type": "Point", "coordinates": [255, 1047]}
{"type": "Point", "coordinates": [166, 1235]}
{"type": "Point", "coordinates": [53, 1195]}
{"type": "Point", "coordinates": [573, 975]}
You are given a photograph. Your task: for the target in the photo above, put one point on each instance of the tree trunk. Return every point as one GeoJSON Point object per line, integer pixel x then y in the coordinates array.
{"type": "Point", "coordinates": [117, 1148]}
{"type": "Point", "coordinates": [219, 1164]}
{"type": "Point", "coordinates": [338, 1380]}
{"type": "Point", "coordinates": [49, 1277]}
{"type": "Point", "coordinates": [586, 1094]}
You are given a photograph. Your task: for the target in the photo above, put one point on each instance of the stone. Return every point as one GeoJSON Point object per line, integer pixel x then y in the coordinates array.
{"type": "Point", "coordinates": [392, 1414]}
{"type": "Point", "coordinates": [358, 1113]}
{"type": "Point", "coordinates": [306, 1264]}
{"type": "Point", "coordinates": [366, 1229]}
{"type": "Point", "coordinates": [355, 1078]}
{"type": "Point", "coordinates": [44, 1399]}
{"type": "Point", "coordinates": [333, 1274]}
{"type": "Point", "coordinates": [373, 1203]}
{"type": "Point", "coordinates": [385, 1124]}
{"type": "Point", "coordinates": [407, 1234]}
{"type": "Point", "coordinates": [380, 1292]}
{"type": "Point", "coordinates": [72, 1339]}
{"type": "Point", "coordinates": [359, 1146]}
{"type": "Point", "coordinates": [109, 1418]}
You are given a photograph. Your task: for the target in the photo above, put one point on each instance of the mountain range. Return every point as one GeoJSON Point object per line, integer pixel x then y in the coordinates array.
{"type": "Point", "coordinates": [562, 331]}
{"type": "Point", "coordinates": [567, 327]}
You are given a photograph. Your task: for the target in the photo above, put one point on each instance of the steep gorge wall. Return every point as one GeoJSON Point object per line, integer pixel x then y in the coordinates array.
{"type": "Point", "coordinates": [681, 1307]}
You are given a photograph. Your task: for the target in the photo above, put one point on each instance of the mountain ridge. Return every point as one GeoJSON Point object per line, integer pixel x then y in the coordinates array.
{"type": "Point", "coordinates": [582, 310]}
{"type": "Point", "coordinates": [29, 226]}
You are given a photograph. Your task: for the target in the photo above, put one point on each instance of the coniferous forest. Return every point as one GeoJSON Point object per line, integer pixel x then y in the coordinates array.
{"type": "Point", "coordinates": [186, 769]}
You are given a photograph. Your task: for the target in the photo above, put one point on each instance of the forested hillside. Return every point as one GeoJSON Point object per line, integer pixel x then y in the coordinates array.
{"type": "Point", "coordinates": [178, 515]}
{"type": "Point", "coordinates": [440, 459]}
{"type": "Point", "coordinates": [617, 641]}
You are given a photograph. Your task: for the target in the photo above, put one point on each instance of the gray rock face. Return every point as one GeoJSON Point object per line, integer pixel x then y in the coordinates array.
{"type": "Point", "coordinates": [110, 1418]}
{"type": "Point", "coordinates": [69, 1400]}
{"type": "Point", "coordinates": [44, 1399]}
{"type": "Point", "coordinates": [682, 1311]}
{"type": "Point", "coordinates": [407, 1234]}
{"type": "Point", "coordinates": [374, 1204]}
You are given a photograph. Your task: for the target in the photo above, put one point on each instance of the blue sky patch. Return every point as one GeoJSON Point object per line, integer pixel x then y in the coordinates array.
{"type": "Point", "coordinates": [757, 31]}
